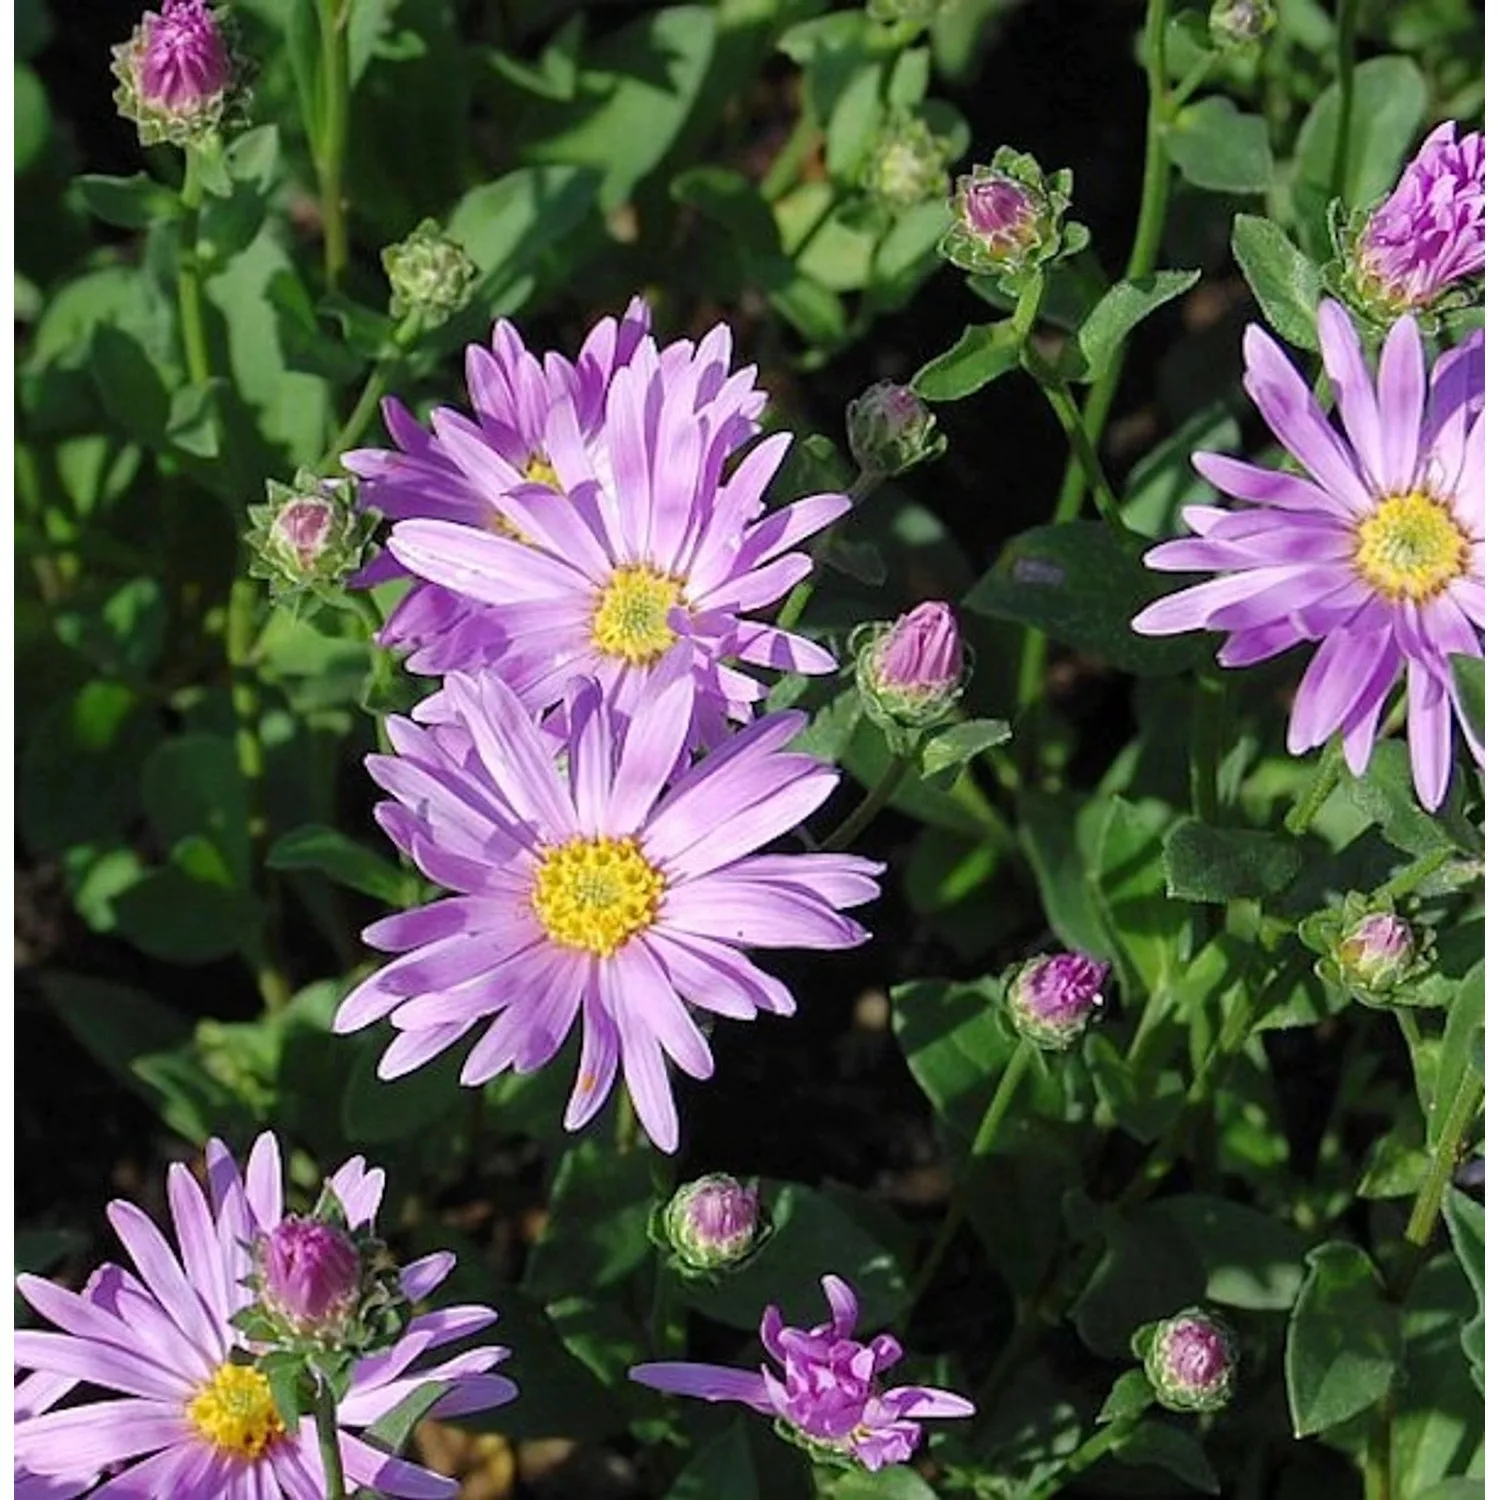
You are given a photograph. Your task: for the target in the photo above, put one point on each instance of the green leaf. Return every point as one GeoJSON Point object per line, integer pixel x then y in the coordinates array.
{"type": "Point", "coordinates": [1149, 1271]}
{"type": "Point", "coordinates": [722, 1469]}
{"type": "Point", "coordinates": [1175, 1449]}
{"type": "Point", "coordinates": [33, 117]}
{"type": "Point", "coordinates": [811, 1228]}
{"type": "Point", "coordinates": [1468, 677]}
{"type": "Point", "coordinates": [376, 1109]}
{"type": "Point", "coordinates": [1082, 583]}
{"type": "Point", "coordinates": [186, 912]}
{"type": "Point", "coordinates": [1130, 886]}
{"type": "Point", "coordinates": [730, 200]}
{"type": "Point", "coordinates": [393, 1431]}
{"type": "Point", "coordinates": [1142, 1101]}
{"type": "Point", "coordinates": [1455, 1056]}
{"type": "Point", "coordinates": [1385, 795]}
{"type": "Point", "coordinates": [984, 352]}
{"type": "Point", "coordinates": [1052, 834]}
{"type": "Point", "coordinates": [1249, 1259]}
{"type": "Point", "coordinates": [1390, 103]}
{"type": "Point", "coordinates": [1214, 146]}
{"type": "Point", "coordinates": [128, 202]}
{"type": "Point", "coordinates": [596, 1222]}
{"type": "Point", "coordinates": [954, 1044]}
{"type": "Point", "coordinates": [345, 862]}
{"type": "Point", "coordinates": [1343, 1342]}
{"type": "Point", "coordinates": [959, 745]}
{"type": "Point", "coordinates": [1164, 481]}
{"type": "Point", "coordinates": [1287, 285]}
{"type": "Point", "coordinates": [114, 1023]}
{"type": "Point", "coordinates": [228, 223]}
{"type": "Point", "coordinates": [123, 634]}
{"type": "Point", "coordinates": [1124, 305]}
{"type": "Point", "coordinates": [1205, 863]}
{"type": "Point", "coordinates": [192, 785]}
{"type": "Point", "coordinates": [1129, 1396]}
{"type": "Point", "coordinates": [895, 1482]}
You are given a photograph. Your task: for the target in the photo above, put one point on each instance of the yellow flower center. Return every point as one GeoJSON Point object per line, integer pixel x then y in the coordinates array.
{"type": "Point", "coordinates": [235, 1412]}
{"type": "Point", "coordinates": [1411, 547]}
{"type": "Point", "coordinates": [596, 893]}
{"type": "Point", "coordinates": [539, 471]}
{"type": "Point", "coordinates": [630, 616]}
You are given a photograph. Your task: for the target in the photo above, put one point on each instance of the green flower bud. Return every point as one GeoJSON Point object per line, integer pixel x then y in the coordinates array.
{"type": "Point", "coordinates": [1190, 1361]}
{"type": "Point", "coordinates": [308, 537]}
{"type": "Point", "coordinates": [891, 429]}
{"type": "Point", "coordinates": [1376, 952]}
{"type": "Point", "coordinates": [712, 1225]}
{"type": "Point", "coordinates": [429, 273]}
{"type": "Point", "coordinates": [1241, 23]}
{"type": "Point", "coordinates": [907, 165]}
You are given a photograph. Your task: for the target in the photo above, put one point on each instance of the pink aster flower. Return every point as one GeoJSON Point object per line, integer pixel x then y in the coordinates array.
{"type": "Point", "coordinates": [192, 1417]}
{"type": "Point", "coordinates": [1375, 551]}
{"type": "Point", "coordinates": [604, 892]}
{"type": "Point", "coordinates": [632, 540]}
{"type": "Point", "coordinates": [828, 1391]}
{"type": "Point", "coordinates": [1429, 233]}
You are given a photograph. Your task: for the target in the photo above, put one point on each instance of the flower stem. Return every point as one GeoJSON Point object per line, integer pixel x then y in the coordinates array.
{"type": "Point", "coordinates": [328, 1442]}
{"type": "Point", "coordinates": [984, 1138]}
{"type": "Point", "coordinates": [1085, 1456]}
{"type": "Point", "coordinates": [333, 21]}
{"type": "Point", "coordinates": [1085, 453]}
{"type": "Point", "coordinates": [1207, 738]}
{"type": "Point", "coordinates": [1149, 224]}
{"type": "Point", "coordinates": [189, 274]}
{"type": "Point", "coordinates": [874, 799]}
{"type": "Point", "coordinates": [625, 1122]}
{"type": "Point", "coordinates": [1406, 881]}
{"type": "Point", "coordinates": [374, 388]}
{"type": "Point", "coordinates": [865, 484]}
{"type": "Point", "coordinates": [1467, 1099]}
{"type": "Point", "coordinates": [1318, 790]}
{"type": "Point", "coordinates": [1345, 23]}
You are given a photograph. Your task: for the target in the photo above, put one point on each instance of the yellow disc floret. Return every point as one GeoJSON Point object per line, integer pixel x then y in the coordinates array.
{"type": "Point", "coordinates": [1411, 547]}
{"type": "Point", "coordinates": [539, 471]}
{"type": "Point", "coordinates": [236, 1413]}
{"type": "Point", "coordinates": [630, 614]}
{"type": "Point", "coordinates": [595, 894]}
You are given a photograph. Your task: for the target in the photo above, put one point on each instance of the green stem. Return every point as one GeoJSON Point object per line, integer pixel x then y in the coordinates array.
{"type": "Point", "coordinates": [1085, 1456]}
{"type": "Point", "coordinates": [667, 1328]}
{"type": "Point", "coordinates": [328, 1443]}
{"type": "Point", "coordinates": [1074, 424]}
{"type": "Point", "coordinates": [1467, 1100]}
{"type": "Point", "coordinates": [365, 406]}
{"type": "Point", "coordinates": [865, 484]}
{"type": "Point", "coordinates": [625, 1122]}
{"type": "Point", "coordinates": [984, 1138]}
{"type": "Point", "coordinates": [189, 274]}
{"type": "Point", "coordinates": [1187, 86]}
{"type": "Point", "coordinates": [874, 799]}
{"type": "Point", "coordinates": [333, 20]}
{"type": "Point", "coordinates": [1404, 883]}
{"type": "Point", "coordinates": [1149, 224]}
{"type": "Point", "coordinates": [1319, 789]}
{"type": "Point", "coordinates": [784, 173]}
{"type": "Point", "coordinates": [1346, 17]}
{"type": "Point", "coordinates": [1207, 738]}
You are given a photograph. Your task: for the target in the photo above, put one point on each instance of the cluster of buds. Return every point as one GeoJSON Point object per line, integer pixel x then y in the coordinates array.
{"type": "Point", "coordinates": [1052, 999]}
{"type": "Point", "coordinates": [907, 164]}
{"type": "Point", "coordinates": [1366, 949]}
{"type": "Point", "coordinates": [309, 537]}
{"type": "Point", "coordinates": [891, 429]}
{"type": "Point", "coordinates": [1241, 23]}
{"type": "Point", "coordinates": [1190, 1360]}
{"type": "Point", "coordinates": [1008, 218]}
{"type": "Point", "coordinates": [911, 672]}
{"type": "Point", "coordinates": [1421, 249]}
{"type": "Point", "coordinates": [430, 274]}
{"type": "Point", "coordinates": [325, 1296]}
{"type": "Point", "coordinates": [711, 1226]}
{"type": "Point", "coordinates": [180, 77]}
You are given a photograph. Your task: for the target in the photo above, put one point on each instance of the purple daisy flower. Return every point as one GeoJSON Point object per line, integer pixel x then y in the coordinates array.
{"type": "Point", "coordinates": [633, 540]}
{"type": "Point", "coordinates": [828, 1391]}
{"type": "Point", "coordinates": [1376, 552]}
{"type": "Point", "coordinates": [1429, 233]}
{"type": "Point", "coordinates": [193, 1418]}
{"type": "Point", "coordinates": [603, 891]}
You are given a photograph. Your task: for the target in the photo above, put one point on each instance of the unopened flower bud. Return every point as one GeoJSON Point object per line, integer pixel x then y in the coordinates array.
{"type": "Point", "coordinates": [1241, 23]}
{"type": "Point", "coordinates": [308, 536]}
{"type": "Point", "coordinates": [180, 79]}
{"type": "Point", "coordinates": [911, 673]}
{"type": "Point", "coordinates": [309, 1275]}
{"type": "Point", "coordinates": [907, 165]}
{"type": "Point", "coordinates": [429, 273]}
{"type": "Point", "coordinates": [1420, 250]}
{"type": "Point", "coordinates": [1052, 999]}
{"type": "Point", "coordinates": [1190, 1361]}
{"type": "Point", "coordinates": [1007, 216]}
{"type": "Point", "coordinates": [891, 429]}
{"type": "Point", "coordinates": [913, 12]}
{"type": "Point", "coordinates": [714, 1224]}
{"type": "Point", "coordinates": [1376, 952]}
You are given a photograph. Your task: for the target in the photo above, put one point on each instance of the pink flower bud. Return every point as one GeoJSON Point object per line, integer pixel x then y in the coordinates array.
{"type": "Point", "coordinates": [1053, 998]}
{"type": "Point", "coordinates": [1190, 1361]}
{"type": "Point", "coordinates": [302, 527]}
{"type": "Point", "coordinates": [179, 76]}
{"type": "Point", "coordinates": [310, 1273]}
{"type": "Point", "coordinates": [923, 653]}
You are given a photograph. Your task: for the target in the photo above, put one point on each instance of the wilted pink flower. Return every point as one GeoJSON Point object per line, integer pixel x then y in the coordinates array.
{"type": "Point", "coordinates": [1376, 551]}
{"type": "Point", "coordinates": [828, 1390]}
{"type": "Point", "coordinates": [310, 1272]}
{"type": "Point", "coordinates": [1429, 233]}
